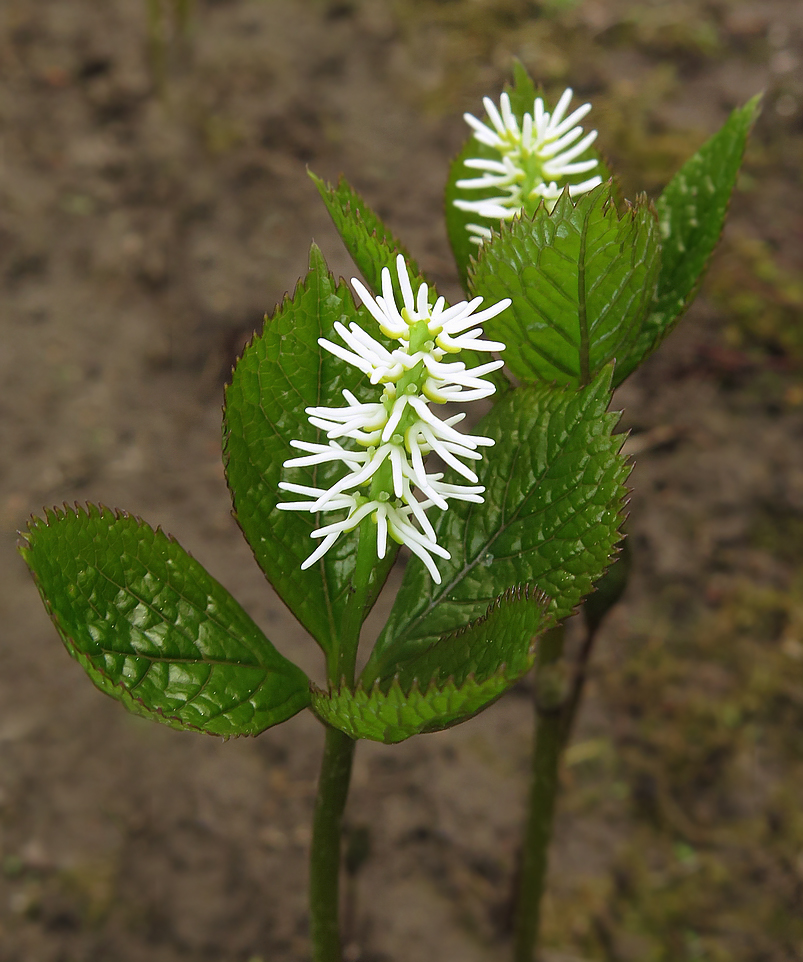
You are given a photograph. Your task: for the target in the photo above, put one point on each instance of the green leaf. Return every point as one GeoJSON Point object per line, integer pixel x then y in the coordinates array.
{"type": "Point", "coordinates": [369, 242]}
{"type": "Point", "coordinates": [522, 95]}
{"type": "Point", "coordinates": [609, 589]}
{"type": "Point", "coordinates": [691, 213]}
{"type": "Point", "coordinates": [581, 280]}
{"type": "Point", "coordinates": [457, 220]}
{"type": "Point", "coordinates": [496, 640]}
{"type": "Point", "coordinates": [282, 372]}
{"type": "Point", "coordinates": [153, 629]}
{"type": "Point", "coordinates": [459, 675]}
{"type": "Point", "coordinates": [522, 91]}
{"type": "Point", "coordinates": [553, 506]}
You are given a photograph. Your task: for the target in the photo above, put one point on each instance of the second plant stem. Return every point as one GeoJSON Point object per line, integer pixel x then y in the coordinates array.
{"type": "Point", "coordinates": [324, 881]}
{"type": "Point", "coordinates": [556, 712]}
{"type": "Point", "coordinates": [543, 789]}
{"type": "Point", "coordinates": [333, 784]}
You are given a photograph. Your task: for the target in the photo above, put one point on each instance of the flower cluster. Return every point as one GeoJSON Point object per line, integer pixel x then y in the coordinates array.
{"type": "Point", "coordinates": [532, 158]}
{"type": "Point", "coordinates": [388, 439]}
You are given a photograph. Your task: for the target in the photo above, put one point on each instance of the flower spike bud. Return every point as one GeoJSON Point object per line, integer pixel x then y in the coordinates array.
{"type": "Point", "coordinates": [532, 160]}
{"type": "Point", "coordinates": [382, 444]}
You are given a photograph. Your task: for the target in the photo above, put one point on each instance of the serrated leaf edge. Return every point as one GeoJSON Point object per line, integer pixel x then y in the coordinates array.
{"type": "Point", "coordinates": [397, 246]}
{"type": "Point", "coordinates": [514, 593]}
{"type": "Point", "coordinates": [755, 100]}
{"type": "Point", "coordinates": [89, 509]}
{"type": "Point", "coordinates": [755, 103]}
{"type": "Point", "coordinates": [631, 209]}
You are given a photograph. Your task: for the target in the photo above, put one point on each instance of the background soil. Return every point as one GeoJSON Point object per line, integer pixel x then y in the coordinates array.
{"type": "Point", "coordinates": [142, 237]}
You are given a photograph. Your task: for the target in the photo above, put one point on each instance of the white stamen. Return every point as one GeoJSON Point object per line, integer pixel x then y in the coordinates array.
{"type": "Point", "coordinates": [544, 145]}
{"type": "Point", "coordinates": [400, 428]}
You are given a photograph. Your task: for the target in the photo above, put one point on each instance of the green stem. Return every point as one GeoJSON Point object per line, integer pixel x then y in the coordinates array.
{"type": "Point", "coordinates": [324, 877]}
{"type": "Point", "coordinates": [608, 591]}
{"type": "Point", "coordinates": [183, 15]}
{"type": "Point", "coordinates": [543, 790]}
{"type": "Point", "coordinates": [333, 784]}
{"type": "Point", "coordinates": [572, 704]}
{"type": "Point", "coordinates": [157, 44]}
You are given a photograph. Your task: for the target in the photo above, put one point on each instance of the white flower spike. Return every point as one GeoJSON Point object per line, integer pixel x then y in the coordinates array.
{"type": "Point", "coordinates": [390, 437]}
{"type": "Point", "coordinates": [532, 160]}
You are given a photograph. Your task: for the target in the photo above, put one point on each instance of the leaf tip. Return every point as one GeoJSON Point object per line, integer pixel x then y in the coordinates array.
{"type": "Point", "coordinates": [316, 258]}
{"type": "Point", "coordinates": [319, 182]}
{"type": "Point", "coordinates": [754, 104]}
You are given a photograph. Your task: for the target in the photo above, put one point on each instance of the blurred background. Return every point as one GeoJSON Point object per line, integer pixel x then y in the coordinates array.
{"type": "Point", "coordinates": [153, 206]}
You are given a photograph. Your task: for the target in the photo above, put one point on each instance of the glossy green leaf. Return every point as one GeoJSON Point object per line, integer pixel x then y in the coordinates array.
{"type": "Point", "coordinates": [691, 213]}
{"type": "Point", "coordinates": [281, 373]}
{"type": "Point", "coordinates": [581, 280]}
{"type": "Point", "coordinates": [369, 242]}
{"type": "Point", "coordinates": [496, 640]}
{"type": "Point", "coordinates": [522, 93]}
{"type": "Point", "coordinates": [553, 506]}
{"type": "Point", "coordinates": [153, 629]}
{"type": "Point", "coordinates": [459, 675]}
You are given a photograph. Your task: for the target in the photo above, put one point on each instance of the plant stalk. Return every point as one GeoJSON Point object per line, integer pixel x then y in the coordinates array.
{"type": "Point", "coordinates": [607, 594]}
{"type": "Point", "coordinates": [580, 675]}
{"type": "Point", "coordinates": [543, 791]}
{"type": "Point", "coordinates": [182, 10]}
{"type": "Point", "coordinates": [333, 784]}
{"type": "Point", "coordinates": [157, 45]}
{"type": "Point", "coordinates": [324, 879]}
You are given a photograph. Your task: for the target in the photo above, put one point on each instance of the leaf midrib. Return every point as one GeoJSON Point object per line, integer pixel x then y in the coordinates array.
{"type": "Point", "coordinates": [582, 306]}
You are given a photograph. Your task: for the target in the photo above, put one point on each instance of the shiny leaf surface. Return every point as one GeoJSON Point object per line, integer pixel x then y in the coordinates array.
{"type": "Point", "coordinates": [459, 675]}
{"type": "Point", "coordinates": [581, 280]}
{"type": "Point", "coordinates": [153, 629]}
